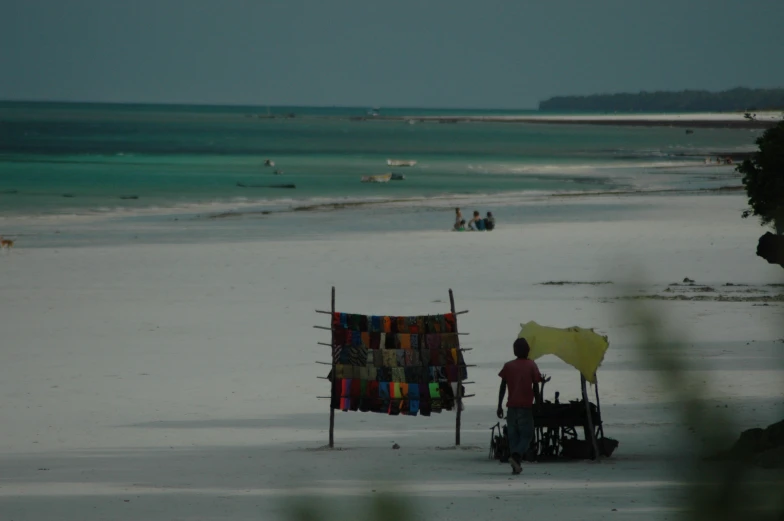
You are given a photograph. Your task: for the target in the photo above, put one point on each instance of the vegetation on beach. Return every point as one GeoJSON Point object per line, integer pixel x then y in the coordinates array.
{"type": "Point", "coordinates": [733, 100]}
{"type": "Point", "coordinates": [763, 178]}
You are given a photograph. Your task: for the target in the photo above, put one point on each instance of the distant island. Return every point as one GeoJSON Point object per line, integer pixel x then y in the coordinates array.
{"type": "Point", "coordinates": [734, 100]}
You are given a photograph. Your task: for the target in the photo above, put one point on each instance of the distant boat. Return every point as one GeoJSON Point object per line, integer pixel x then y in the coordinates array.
{"type": "Point", "coordinates": [401, 162]}
{"type": "Point", "coordinates": [268, 162]}
{"type": "Point", "coordinates": [398, 177]}
{"type": "Point", "coordinates": [379, 178]}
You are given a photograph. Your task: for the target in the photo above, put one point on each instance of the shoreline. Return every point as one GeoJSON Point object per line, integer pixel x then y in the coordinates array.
{"type": "Point", "coordinates": [696, 120]}
{"type": "Point", "coordinates": [331, 206]}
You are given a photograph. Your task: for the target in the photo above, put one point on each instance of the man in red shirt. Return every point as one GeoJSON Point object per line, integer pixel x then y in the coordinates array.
{"type": "Point", "coordinates": [522, 377]}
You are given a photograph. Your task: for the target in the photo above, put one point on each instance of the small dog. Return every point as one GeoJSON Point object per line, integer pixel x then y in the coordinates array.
{"type": "Point", "coordinates": [6, 243]}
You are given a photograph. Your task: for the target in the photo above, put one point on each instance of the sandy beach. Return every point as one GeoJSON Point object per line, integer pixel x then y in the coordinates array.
{"type": "Point", "coordinates": [734, 120]}
{"type": "Point", "coordinates": [177, 379]}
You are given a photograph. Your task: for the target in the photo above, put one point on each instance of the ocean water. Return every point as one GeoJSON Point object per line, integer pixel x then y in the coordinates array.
{"type": "Point", "coordinates": [86, 159]}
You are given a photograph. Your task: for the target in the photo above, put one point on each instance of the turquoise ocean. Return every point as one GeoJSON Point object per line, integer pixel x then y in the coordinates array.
{"type": "Point", "coordinates": [64, 159]}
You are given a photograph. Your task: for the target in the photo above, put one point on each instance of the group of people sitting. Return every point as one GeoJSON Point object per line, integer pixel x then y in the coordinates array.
{"type": "Point", "coordinates": [477, 223]}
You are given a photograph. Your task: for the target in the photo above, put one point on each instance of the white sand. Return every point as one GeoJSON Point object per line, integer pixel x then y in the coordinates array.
{"type": "Point", "coordinates": [688, 116]}
{"type": "Point", "coordinates": [167, 382]}
{"type": "Point", "coordinates": [638, 118]}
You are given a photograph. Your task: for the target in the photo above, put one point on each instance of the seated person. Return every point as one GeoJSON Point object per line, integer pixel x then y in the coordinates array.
{"type": "Point", "coordinates": [460, 227]}
{"type": "Point", "coordinates": [478, 221]}
{"type": "Point", "coordinates": [489, 221]}
{"type": "Point", "coordinates": [458, 219]}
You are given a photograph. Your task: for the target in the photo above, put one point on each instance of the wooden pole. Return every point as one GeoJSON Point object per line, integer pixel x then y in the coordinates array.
{"type": "Point", "coordinates": [589, 432]}
{"type": "Point", "coordinates": [459, 396]}
{"type": "Point", "coordinates": [600, 427]}
{"type": "Point", "coordinates": [334, 381]}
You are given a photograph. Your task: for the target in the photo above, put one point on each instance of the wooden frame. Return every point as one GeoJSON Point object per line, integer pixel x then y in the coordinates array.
{"type": "Point", "coordinates": [458, 395]}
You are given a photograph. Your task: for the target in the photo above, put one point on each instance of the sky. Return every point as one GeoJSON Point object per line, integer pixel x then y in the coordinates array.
{"type": "Point", "coordinates": [401, 53]}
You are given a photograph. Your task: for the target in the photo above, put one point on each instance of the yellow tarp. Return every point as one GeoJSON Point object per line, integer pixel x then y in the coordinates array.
{"type": "Point", "coordinates": [581, 348]}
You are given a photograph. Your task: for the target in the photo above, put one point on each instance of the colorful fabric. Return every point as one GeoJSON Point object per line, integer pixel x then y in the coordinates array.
{"type": "Point", "coordinates": [402, 325]}
{"type": "Point", "coordinates": [345, 395]}
{"type": "Point", "coordinates": [375, 402]}
{"type": "Point", "coordinates": [389, 357]}
{"type": "Point", "coordinates": [356, 392]}
{"type": "Point", "coordinates": [357, 355]}
{"type": "Point", "coordinates": [413, 399]}
{"type": "Point", "coordinates": [435, 397]}
{"type": "Point", "coordinates": [397, 365]}
{"type": "Point", "coordinates": [398, 374]}
{"type": "Point", "coordinates": [449, 340]}
{"type": "Point", "coordinates": [447, 396]}
{"type": "Point", "coordinates": [376, 325]}
{"type": "Point", "coordinates": [338, 337]}
{"type": "Point", "coordinates": [451, 322]}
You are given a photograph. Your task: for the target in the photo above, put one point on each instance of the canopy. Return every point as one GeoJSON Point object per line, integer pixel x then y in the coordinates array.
{"type": "Point", "coordinates": [581, 348]}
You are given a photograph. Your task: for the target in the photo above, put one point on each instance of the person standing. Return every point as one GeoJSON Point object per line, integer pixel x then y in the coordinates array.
{"type": "Point", "coordinates": [522, 376]}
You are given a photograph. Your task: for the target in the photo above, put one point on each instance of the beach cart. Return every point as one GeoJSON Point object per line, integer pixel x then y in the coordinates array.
{"type": "Point", "coordinates": [558, 425]}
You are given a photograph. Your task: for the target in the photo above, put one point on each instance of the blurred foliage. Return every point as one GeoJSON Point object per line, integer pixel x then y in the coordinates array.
{"type": "Point", "coordinates": [717, 489]}
{"type": "Point", "coordinates": [379, 507]}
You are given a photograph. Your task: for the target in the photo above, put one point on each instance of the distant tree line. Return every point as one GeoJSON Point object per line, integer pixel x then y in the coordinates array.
{"type": "Point", "coordinates": [738, 99]}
